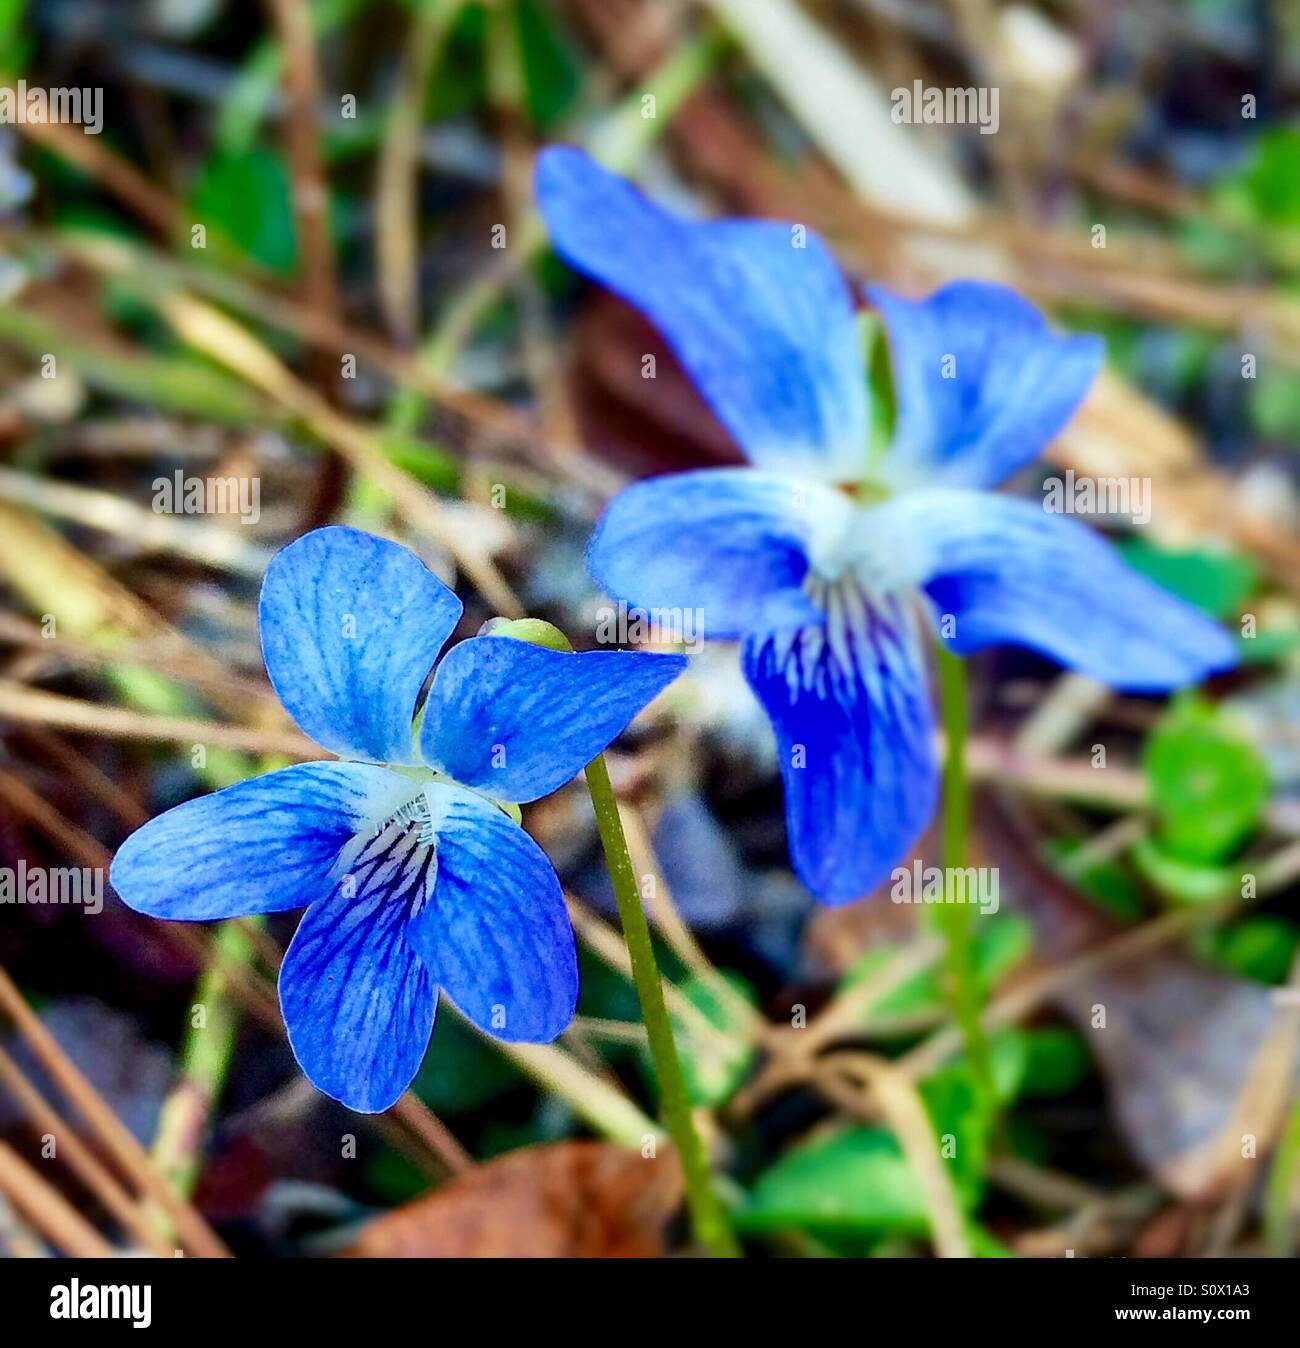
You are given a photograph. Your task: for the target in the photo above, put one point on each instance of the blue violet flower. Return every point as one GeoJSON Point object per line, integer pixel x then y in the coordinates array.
{"type": "Point", "coordinates": [415, 878]}
{"type": "Point", "coordinates": [827, 589]}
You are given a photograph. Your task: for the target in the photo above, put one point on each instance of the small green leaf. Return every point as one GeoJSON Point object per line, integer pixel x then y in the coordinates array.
{"type": "Point", "coordinates": [1184, 882]}
{"type": "Point", "coordinates": [245, 200]}
{"type": "Point", "coordinates": [1267, 190]}
{"type": "Point", "coordinates": [1001, 942]}
{"type": "Point", "coordinates": [1273, 401]}
{"type": "Point", "coordinates": [17, 38]}
{"type": "Point", "coordinates": [1261, 948]}
{"type": "Point", "coordinates": [714, 1065]}
{"type": "Point", "coordinates": [1209, 785]}
{"type": "Point", "coordinates": [1108, 883]}
{"type": "Point", "coordinates": [852, 1182]}
{"type": "Point", "coordinates": [985, 1245]}
{"type": "Point", "coordinates": [1269, 646]}
{"type": "Point", "coordinates": [1056, 1063]}
{"type": "Point", "coordinates": [552, 67]}
{"type": "Point", "coordinates": [963, 1126]}
{"type": "Point", "coordinates": [1218, 582]}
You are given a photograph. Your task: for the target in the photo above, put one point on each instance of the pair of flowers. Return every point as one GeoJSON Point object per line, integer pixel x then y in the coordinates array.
{"type": "Point", "coordinates": [418, 879]}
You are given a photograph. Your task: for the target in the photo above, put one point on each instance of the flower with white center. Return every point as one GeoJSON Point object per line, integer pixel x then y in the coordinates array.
{"type": "Point", "coordinates": [828, 592]}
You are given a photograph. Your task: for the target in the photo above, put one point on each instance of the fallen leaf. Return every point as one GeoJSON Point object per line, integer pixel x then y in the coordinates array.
{"type": "Point", "coordinates": [566, 1200]}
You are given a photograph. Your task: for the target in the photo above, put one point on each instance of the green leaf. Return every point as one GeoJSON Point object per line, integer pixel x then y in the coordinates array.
{"type": "Point", "coordinates": [244, 106]}
{"type": "Point", "coordinates": [552, 67]}
{"type": "Point", "coordinates": [1056, 1062]}
{"type": "Point", "coordinates": [464, 1072]}
{"type": "Point", "coordinates": [858, 1182]}
{"type": "Point", "coordinates": [1209, 784]}
{"type": "Point", "coordinates": [714, 1065]}
{"type": "Point", "coordinates": [1001, 942]}
{"type": "Point", "coordinates": [1267, 190]}
{"type": "Point", "coordinates": [1218, 582]}
{"type": "Point", "coordinates": [985, 1245]}
{"type": "Point", "coordinates": [1269, 646]}
{"type": "Point", "coordinates": [853, 1182]}
{"type": "Point", "coordinates": [16, 38]}
{"type": "Point", "coordinates": [1184, 882]}
{"type": "Point", "coordinates": [245, 201]}
{"type": "Point", "coordinates": [1273, 402]}
{"type": "Point", "coordinates": [459, 82]}
{"type": "Point", "coordinates": [1107, 882]}
{"type": "Point", "coordinates": [963, 1125]}
{"type": "Point", "coordinates": [1261, 948]}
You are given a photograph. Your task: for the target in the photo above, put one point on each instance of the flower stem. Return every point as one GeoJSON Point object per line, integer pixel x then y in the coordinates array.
{"type": "Point", "coordinates": [707, 1214]}
{"type": "Point", "coordinates": [954, 917]}
{"type": "Point", "coordinates": [206, 1055]}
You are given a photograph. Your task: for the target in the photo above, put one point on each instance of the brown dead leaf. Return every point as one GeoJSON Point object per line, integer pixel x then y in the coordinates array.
{"type": "Point", "coordinates": [566, 1200]}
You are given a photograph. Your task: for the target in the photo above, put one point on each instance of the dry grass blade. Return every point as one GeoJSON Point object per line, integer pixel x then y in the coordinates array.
{"type": "Point", "coordinates": [901, 1106]}
{"type": "Point", "coordinates": [220, 337]}
{"type": "Point", "coordinates": [116, 1137]}
{"type": "Point", "coordinates": [81, 1160]}
{"type": "Point", "coordinates": [396, 214]}
{"type": "Point", "coordinates": [47, 1209]}
{"type": "Point", "coordinates": [34, 706]}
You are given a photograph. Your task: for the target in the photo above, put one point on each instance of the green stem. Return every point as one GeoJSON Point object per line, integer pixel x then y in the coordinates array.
{"type": "Point", "coordinates": [1280, 1190]}
{"type": "Point", "coordinates": [954, 918]}
{"type": "Point", "coordinates": [707, 1214]}
{"type": "Point", "coordinates": [206, 1056]}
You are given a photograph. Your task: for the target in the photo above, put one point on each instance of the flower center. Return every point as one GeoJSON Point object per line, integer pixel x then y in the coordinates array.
{"type": "Point", "coordinates": [862, 631]}
{"type": "Point", "coordinates": [414, 814]}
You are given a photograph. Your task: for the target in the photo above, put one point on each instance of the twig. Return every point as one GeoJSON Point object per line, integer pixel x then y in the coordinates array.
{"type": "Point", "coordinates": [130, 1155]}
{"type": "Point", "coordinates": [119, 178]}
{"type": "Point", "coordinates": [396, 217]}
{"type": "Point", "coordinates": [80, 1159]}
{"type": "Point", "coordinates": [211, 331]}
{"type": "Point", "coordinates": [146, 529]}
{"type": "Point", "coordinates": [310, 189]}
{"type": "Point", "coordinates": [903, 1109]}
{"type": "Point", "coordinates": [47, 1209]}
{"type": "Point", "coordinates": [34, 705]}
